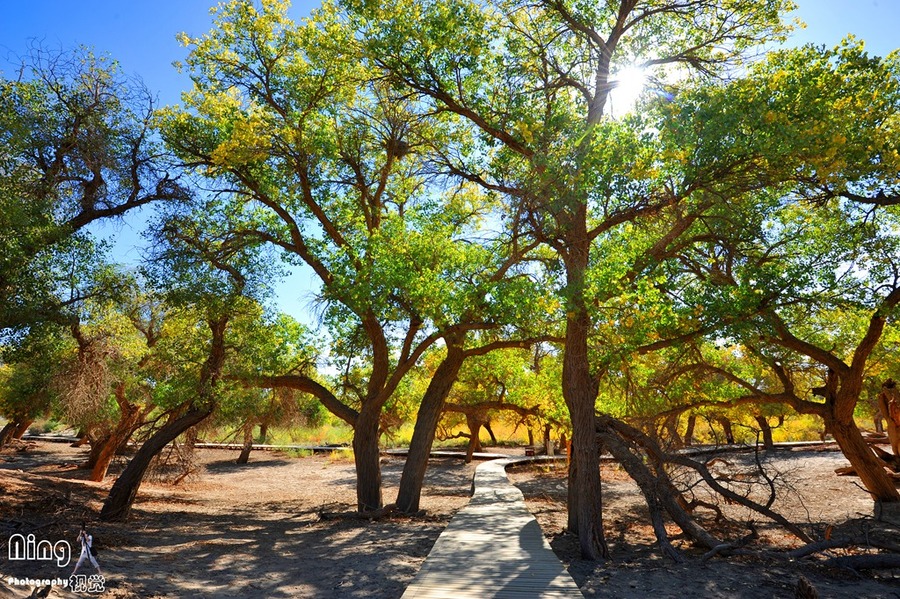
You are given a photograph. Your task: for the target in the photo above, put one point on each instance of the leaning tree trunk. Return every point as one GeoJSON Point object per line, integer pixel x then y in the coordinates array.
{"type": "Point", "coordinates": [425, 428]}
{"type": "Point", "coordinates": [490, 432]}
{"type": "Point", "coordinates": [97, 446]}
{"type": "Point", "coordinates": [657, 490]}
{"type": "Point", "coordinates": [118, 504]}
{"type": "Point", "coordinates": [868, 467]}
{"type": "Point", "coordinates": [580, 392]}
{"type": "Point", "coordinates": [6, 434]}
{"type": "Point", "coordinates": [22, 428]}
{"type": "Point", "coordinates": [670, 425]}
{"type": "Point", "coordinates": [367, 458]}
{"type": "Point", "coordinates": [128, 422]}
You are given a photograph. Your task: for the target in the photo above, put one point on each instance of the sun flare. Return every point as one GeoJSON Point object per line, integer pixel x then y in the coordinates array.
{"type": "Point", "coordinates": [628, 84]}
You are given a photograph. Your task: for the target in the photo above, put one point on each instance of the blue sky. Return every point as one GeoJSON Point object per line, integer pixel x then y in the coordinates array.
{"type": "Point", "coordinates": [140, 34]}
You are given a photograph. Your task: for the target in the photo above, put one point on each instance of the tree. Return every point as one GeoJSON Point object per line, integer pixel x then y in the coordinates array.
{"type": "Point", "coordinates": [534, 79]}
{"type": "Point", "coordinates": [501, 384]}
{"type": "Point", "coordinates": [331, 167]}
{"type": "Point", "coordinates": [75, 147]}
{"type": "Point", "coordinates": [214, 278]}
{"type": "Point", "coordinates": [803, 274]}
{"type": "Point", "coordinates": [270, 345]}
{"type": "Point", "coordinates": [26, 390]}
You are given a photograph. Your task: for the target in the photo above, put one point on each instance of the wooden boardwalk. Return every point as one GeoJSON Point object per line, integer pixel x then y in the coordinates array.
{"type": "Point", "coordinates": [493, 547]}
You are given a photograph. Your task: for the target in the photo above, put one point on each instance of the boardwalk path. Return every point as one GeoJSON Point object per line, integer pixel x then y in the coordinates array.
{"type": "Point", "coordinates": [493, 547]}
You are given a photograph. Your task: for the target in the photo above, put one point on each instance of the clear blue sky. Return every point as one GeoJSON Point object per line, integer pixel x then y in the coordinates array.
{"type": "Point", "coordinates": [140, 34]}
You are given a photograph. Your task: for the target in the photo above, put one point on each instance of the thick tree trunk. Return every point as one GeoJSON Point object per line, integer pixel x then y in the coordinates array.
{"type": "Point", "coordinates": [766, 429]}
{"type": "Point", "coordinates": [367, 458]}
{"type": "Point", "coordinates": [105, 454]}
{"type": "Point", "coordinates": [580, 392]}
{"type": "Point", "coordinates": [474, 441]}
{"type": "Point", "coordinates": [426, 426]}
{"type": "Point", "coordinates": [6, 434]}
{"type": "Point", "coordinates": [118, 504]}
{"type": "Point", "coordinates": [689, 430]}
{"type": "Point", "coordinates": [129, 419]}
{"type": "Point", "coordinates": [248, 444]}
{"type": "Point", "coordinates": [868, 467]}
{"type": "Point", "coordinates": [94, 454]}
{"type": "Point", "coordinates": [22, 428]}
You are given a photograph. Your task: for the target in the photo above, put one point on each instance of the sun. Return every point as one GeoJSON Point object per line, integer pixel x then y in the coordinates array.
{"type": "Point", "coordinates": [628, 84]}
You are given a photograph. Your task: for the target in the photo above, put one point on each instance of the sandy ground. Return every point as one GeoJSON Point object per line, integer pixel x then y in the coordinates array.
{"type": "Point", "coordinates": [809, 493]}
{"type": "Point", "coordinates": [232, 531]}
{"type": "Point", "coordinates": [255, 531]}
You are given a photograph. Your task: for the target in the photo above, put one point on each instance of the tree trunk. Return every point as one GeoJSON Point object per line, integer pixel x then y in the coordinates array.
{"type": "Point", "coordinates": [427, 420]}
{"type": "Point", "coordinates": [248, 444]}
{"type": "Point", "coordinates": [659, 493]}
{"type": "Point", "coordinates": [6, 434]}
{"type": "Point", "coordinates": [689, 431]}
{"type": "Point", "coordinates": [671, 427]}
{"type": "Point", "coordinates": [106, 451]}
{"type": "Point", "coordinates": [889, 406]}
{"type": "Point", "coordinates": [766, 429]}
{"type": "Point", "coordinates": [366, 456]}
{"type": "Point", "coordinates": [474, 432]}
{"type": "Point", "coordinates": [22, 428]}
{"type": "Point", "coordinates": [118, 504]}
{"type": "Point", "coordinates": [129, 419]}
{"type": "Point", "coordinates": [726, 429]}
{"type": "Point", "coordinates": [868, 467]}
{"type": "Point", "coordinates": [490, 432]}
{"type": "Point", "coordinates": [263, 433]}
{"type": "Point", "coordinates": [580, 392]}
{"type": "Point", "coordinates": [94, 454]}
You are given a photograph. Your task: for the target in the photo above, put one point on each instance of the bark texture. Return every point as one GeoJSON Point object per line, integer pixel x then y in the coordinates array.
{"type": "Point", "coordinates": [427, 419]}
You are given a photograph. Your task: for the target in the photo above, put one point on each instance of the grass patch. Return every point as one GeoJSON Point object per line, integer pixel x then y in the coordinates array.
{"type": "Point", "coordinates": [296, 453]}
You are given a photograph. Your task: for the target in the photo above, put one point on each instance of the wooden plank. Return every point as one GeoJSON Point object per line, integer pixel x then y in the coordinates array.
{"type": "Point", "coordinates": [493, 548]}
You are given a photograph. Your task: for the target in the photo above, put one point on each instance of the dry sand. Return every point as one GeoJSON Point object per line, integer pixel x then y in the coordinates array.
{"type": "Point", "coordinates": [234, 531]}
{"type": "Point", "coordinates": [254, 530]}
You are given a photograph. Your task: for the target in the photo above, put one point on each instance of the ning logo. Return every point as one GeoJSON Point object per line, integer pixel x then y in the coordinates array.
{"type": "Point", "coordinates": [23, 548]}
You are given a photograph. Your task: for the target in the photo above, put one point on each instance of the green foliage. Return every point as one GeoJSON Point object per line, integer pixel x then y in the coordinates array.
{"type": "Point", "coordinates": [74, 148]}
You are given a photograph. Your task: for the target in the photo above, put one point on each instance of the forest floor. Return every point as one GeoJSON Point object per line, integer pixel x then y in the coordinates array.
{"type": "Point", "coordinates": [808, 493]}
{"type": "Point", "coordinates": [255, 530]}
